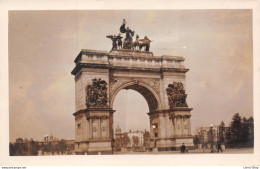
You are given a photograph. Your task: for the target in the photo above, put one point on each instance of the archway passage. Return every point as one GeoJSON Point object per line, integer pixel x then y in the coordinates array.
{"type": "Point", "coordinates": [131, 123]}
{"type": "Point", "coordinates": [131, 111]}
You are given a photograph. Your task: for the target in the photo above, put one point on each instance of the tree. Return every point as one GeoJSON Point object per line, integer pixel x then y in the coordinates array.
{"type": "Point", "coordinates": [62, 146]}
{"type": "Point", "coordinates": [118, 143]}
{"type": "Point", "coordinates": [251, 132]}
{"type": "Point", "coordinates": [48, 147]}
{"type": "Point", "coordinates": [122, 141]}
{"type": "Point", "coordinates": [221, 137]}
{"type": "Point", "coordinates": [201, 138]}
{"type": "Point", "coordinates": [211, 136]}
{"type": "Point", "coordinates": [135, 141]}
{"type": "Point", "coordinates": [11, 149]}
{"type": "Point", "coordinates": [228, 140]}
{"type": "Point", "coordinates": [235, 129]}
{"type": "Point", "coordinates": [125, 140]}
{"type": "Point", "coordinates": [34, 148]}
{"type": "Point", "coordinates": [247, 131]}
{"type": "Point", "coordinates": [71, 148]}
{"type": "Point", "coordinates": [244, 131]}
{"type": "Point", "coordinates": [23, 149]}
{"type": "Point", "coordinates": [196, 140]}
{"type": "Point", "coordinates": [146, 139]}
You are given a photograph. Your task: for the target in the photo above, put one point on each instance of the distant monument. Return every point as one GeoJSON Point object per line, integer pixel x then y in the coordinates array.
{"type": "Point", "coordinates": [128, 43]}
{"type": "Point", "coordinates": [161, 80]}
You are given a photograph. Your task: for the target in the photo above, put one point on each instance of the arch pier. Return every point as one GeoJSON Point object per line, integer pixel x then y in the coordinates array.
{"type": "Point", "coordinates": [161, 80]}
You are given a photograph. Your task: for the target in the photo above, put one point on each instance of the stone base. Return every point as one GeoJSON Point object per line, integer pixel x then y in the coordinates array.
{"type": "Point", "coordinates": [94, 133]}
{"type": "Point", "coordinates": [173, 144]}
{"type": "Point", "coordinates": [155, 150]}
{"type": "Point", "coordinates": [94, 147]}
{"type": "Point", "coordinates": [132, 53]}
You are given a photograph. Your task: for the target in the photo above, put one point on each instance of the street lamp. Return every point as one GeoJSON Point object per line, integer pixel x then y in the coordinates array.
{"type": "Point", "coordinates": [155, 131]}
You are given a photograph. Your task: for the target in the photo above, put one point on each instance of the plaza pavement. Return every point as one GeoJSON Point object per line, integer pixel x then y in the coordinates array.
{"type": "Point", "coordinates": [196, 151]}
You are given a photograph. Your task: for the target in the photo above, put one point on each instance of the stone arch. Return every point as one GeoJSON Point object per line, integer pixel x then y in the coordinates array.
{"type": "Point", "coordinates": [152, 98]}
{"type": "Point", "coordinates": [142, 72]}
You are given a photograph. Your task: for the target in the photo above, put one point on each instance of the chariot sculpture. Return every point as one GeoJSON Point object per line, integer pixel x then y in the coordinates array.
{"type": "Point", "coordinates": [128, 42]}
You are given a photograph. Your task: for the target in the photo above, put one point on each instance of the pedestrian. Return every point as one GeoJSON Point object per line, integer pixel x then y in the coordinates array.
{"type": "Point", "coordinates": [219, 147]}
{"type": "Point", "coordinates": [183, 148]}
{"type": "Point", "coordinates": [211, 147]}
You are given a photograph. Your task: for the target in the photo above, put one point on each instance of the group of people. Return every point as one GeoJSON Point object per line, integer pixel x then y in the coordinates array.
{"type": "Point", "coordinates": [218, 147]}
{"type": "Point", "coordinates": [184, 149]}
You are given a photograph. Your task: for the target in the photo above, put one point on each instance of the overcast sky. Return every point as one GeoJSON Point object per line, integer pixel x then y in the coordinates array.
{"type": "Point", "coordinates": [216, 44]}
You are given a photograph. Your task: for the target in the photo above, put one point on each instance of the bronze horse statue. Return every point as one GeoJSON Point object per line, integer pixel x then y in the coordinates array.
{"type": "Point", "coordinates": [135, 44]}
{"type": "Point", "coordinates": [144, 43]}
{"type": "Point", "coordinates": [138, 44]}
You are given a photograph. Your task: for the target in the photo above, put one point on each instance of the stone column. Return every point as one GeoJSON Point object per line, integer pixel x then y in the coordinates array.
{"type": "Point", "coordinates": [182, 126]}
{"type": "Point", "coordinates": [110, 124]}
{"type": "Point", "coordinates": [169, 126]}
{"type": "Point", "coordinates": [90, 128]}
{"type": "Point", "coordinates": [105, 134]}
{"type": "Point", "coordinates": [87, 129]}
{"type": "Point", "coordinates": [162, 128]}
{"type": "Point", "coordinates": [151, 128]}
{"type": "Point", "coordinates": [99, 127]}
{"type": "Point", "coordinates": [107, 127]}
{"type": "Point", "coordinates": [189, 127]}
{"type": "Point", "coordinates": [174, 124]}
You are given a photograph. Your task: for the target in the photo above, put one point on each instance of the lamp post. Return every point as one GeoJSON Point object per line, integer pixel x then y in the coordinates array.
{"type": "Point", "coordinates": [155, 131]}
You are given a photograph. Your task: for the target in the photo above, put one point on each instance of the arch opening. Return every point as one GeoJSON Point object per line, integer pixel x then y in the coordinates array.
{"type": "Point", "coordinates": [147, 94]}
{"type": "Point", "coordinates": [145, 90]}
{"type": "Point", "coordinates": [131, 108]}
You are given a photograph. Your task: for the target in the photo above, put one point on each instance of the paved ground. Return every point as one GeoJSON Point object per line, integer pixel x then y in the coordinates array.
{"type": "Point", "coordinates": [197, 151]}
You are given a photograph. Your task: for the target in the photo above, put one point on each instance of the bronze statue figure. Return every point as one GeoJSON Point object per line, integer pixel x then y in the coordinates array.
{"type": "Point", "coordinates": [145, 43]}
{"type": "Point", "coordinates": [135, 45]}
{"type": "Point", "coordinates": [122, 27]}
{"type": "Point", "coordinates": [129, 34]}
{"type": "Point", "coordinates": [114, 39]}
{"type": "Point", "coordinates": [119, 41]}
{"type": "Point", "coordinates": [128, 41]}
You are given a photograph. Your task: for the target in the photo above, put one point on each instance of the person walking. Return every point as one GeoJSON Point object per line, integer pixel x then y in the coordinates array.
{"type": "Point", "coordinates": [219, 147]}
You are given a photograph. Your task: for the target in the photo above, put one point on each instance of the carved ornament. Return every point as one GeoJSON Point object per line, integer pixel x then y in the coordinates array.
{"type": "Point", "coordinates": [96, 93]}
{"type": "Point", "coordinates": [176, 95]}
{"type": "Point", "coordinates": [154, 84]}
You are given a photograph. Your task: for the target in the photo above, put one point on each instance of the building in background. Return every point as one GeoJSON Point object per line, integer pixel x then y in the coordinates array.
{"type": "Point", "coordinates": [211, 134]}
{"type": "Point", "coordinates": [49, 145]}
{"type": "Point", "coordinates": [138, 140]}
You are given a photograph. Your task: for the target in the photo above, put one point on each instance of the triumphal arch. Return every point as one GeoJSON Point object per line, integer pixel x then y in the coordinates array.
{"type": "Point", "coordinates": [100, 75]}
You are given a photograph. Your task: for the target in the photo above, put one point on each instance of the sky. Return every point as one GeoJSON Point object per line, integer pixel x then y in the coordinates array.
{"type": "Point", "coordinates": [216, 44]}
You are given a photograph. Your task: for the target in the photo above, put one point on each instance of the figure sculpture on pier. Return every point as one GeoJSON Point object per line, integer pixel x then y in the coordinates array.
{"type": "Point", "coordinates": [114, 40]}
{"type": "Point", "coordinates": [119, 41]}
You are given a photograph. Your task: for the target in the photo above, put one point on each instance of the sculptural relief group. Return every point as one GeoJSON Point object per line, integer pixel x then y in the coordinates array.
{"type": "Point", "coordinates": [128, 42]}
